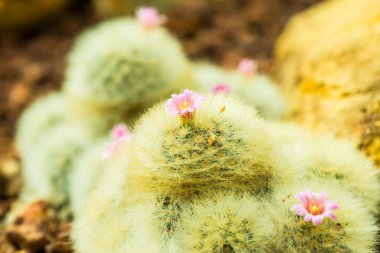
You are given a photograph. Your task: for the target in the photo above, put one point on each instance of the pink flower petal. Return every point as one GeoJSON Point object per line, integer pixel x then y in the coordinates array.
{"type": "Point", "coordinates": [221, 88]}
{"type": "Point", "coordinates": [308, 217]}
{"type": "Point", "coordinates": [315, 206]}
{"type": "Point", "coordinates": [317, 220]}
{"type": "Point", "coordinates": [296, 207]}
{"type": "Point", "coordinates": [119, 131]}
{"type": "Point", "coordinates": [248, 67]}
{"type": "Point", "coordinates": [331, 215]}
{"type": "Point", "coordinates": [120, 135]}
{"type": "Point", "coordinates": [331, 205]}
{"type": "Point", "coordinates": [184, 104]}
{"type": "Point", "coordinates": [149, 17]}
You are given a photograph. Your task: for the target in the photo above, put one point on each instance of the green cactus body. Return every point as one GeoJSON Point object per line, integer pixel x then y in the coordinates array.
{"type": "Point", "coordinates": [100, 225]}
{"type": "Point", "coordinates": [47, 168]}
{"type": "Point", "coordinates": [353, 231]}
{"type": "Point", "coordinates": [261, 92]}
{"type": "Point", "coordinates": [45, 113]}
{"type": "Point", "coordinates": [118, 67]}
{"type": "Point", "coordinates": [258, 90]}
{"type": "Point", "coordinates": [207, 75]}
{"type": "Point", "coordinates": [86, 171]}
{"type": "Point", "coordinates": [223, 148]}
{"type": "Point", "coordinates": [223, 223]}
{"type": "Point", "coordinates": [325, 157]}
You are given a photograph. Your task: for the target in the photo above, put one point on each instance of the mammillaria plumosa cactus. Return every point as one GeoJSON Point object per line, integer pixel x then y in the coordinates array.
{"type": "Point", "coordinates": [221, 146]}
{"type": "Point", "coordinates": [317, 216]}
{"type": "Point", "coordinates": [218, 179]}
{"type": "Point", "coordinates": [88, 168]}
{"type": "Point", "coordinates": [47, 168]}
{"type": "Point", "coordinates": [253, 88]}
{"type": "Point", "coordinates": [123, 65]}
{"type": "Point", "coordinates": [44, 114]}
{"type": "Point", "coordinates": [323, 156]}
{"type": "Point", "coordinates": [223, 223]}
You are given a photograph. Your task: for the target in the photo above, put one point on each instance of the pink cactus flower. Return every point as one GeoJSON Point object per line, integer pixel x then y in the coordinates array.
{"type": "Point", "coordinates": [248, 67]}
{"type": "Point", "coordinates": [221, 88]}
{"type": "Point", "coordinates": [149, 17]}
{"type": "Point", "coordinates": [184, 104]}
{"type": "Point", "coordinates": [314, 206]}
{"type": "Point", "coordinates": [119, 131]}
{"type": "Point", "coordinates": [120, 135]}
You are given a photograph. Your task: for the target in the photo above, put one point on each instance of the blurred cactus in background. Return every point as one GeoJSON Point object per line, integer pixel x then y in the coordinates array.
{"type": "Point", "coordinates": [331, 77]}
{"type": "Point", "coordinates": [253, 88]}
{"type": "Point", "coordinates": [129, 70]}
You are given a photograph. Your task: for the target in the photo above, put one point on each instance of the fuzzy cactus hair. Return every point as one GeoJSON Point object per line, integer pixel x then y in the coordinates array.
{"type": "Point", "coordinates": [224, 146]}
{"type": "Point", "coordinates": [322, 156]}
{"type": "Point", "coordinates": [45, 113]}
{"type": "Point", "coordinates": [353, 230]}
{"type": "Point", "coordinates": [129, 70]}
{"type": "Point", "coordinates": [222, 223]}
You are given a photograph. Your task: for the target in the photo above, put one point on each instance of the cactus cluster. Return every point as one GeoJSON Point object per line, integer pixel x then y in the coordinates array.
{"type": "Point", "coordinates": [115, 71]}
{"type": "Point", "coordinates": [86, 171]}
{"type": "Point", "coordinates": [216, 178]}
{"type": "Point", "coordinates": [198, 174]}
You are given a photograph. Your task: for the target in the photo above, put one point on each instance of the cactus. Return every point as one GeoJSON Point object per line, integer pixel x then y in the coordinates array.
{"type": "Point", "coordinates": [45, 113]}
{"type": "Point", "coordinates": [152, 219]}
{"type": "Point", "coordinates": [354, 229]}
{"type": "Point", "coordinates": [119, 66]}
{"type": "Point", "coordinates": [228, 223]}
{"type": "Point", "coordinates": [257, 90]}
{"type": "Point", "coordinates": [224, 147]}
{"type": "Point", "coordinates": [86, 171]}
{"type": "Point", "coordinates": [47, 168]}
{"type": "Point", "coordinates": [99, 226]}
{"type": "Point", "coordinates": [322, 156]}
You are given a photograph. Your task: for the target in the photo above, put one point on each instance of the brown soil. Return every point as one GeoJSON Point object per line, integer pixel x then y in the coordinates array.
{"type": "Point", "coordinates": [32, 63]}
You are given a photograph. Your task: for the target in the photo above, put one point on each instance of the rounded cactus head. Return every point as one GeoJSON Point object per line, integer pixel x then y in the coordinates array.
{"type": "Point", "coordinates": [319, 216]}
{"type": "Point", "coordinates": [120, 65]}
{"type": "Point", "coordinates": [196, 145]}
{"type": "Point", "coordinates": [223, 223]}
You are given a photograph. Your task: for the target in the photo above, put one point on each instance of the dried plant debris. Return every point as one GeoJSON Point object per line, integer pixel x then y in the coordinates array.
{"type": "Point", "coordinates": [37, 230]}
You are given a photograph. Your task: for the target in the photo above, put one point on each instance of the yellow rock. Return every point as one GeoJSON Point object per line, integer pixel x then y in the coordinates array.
{"type": "Point", "coordinates": [328, 61]}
